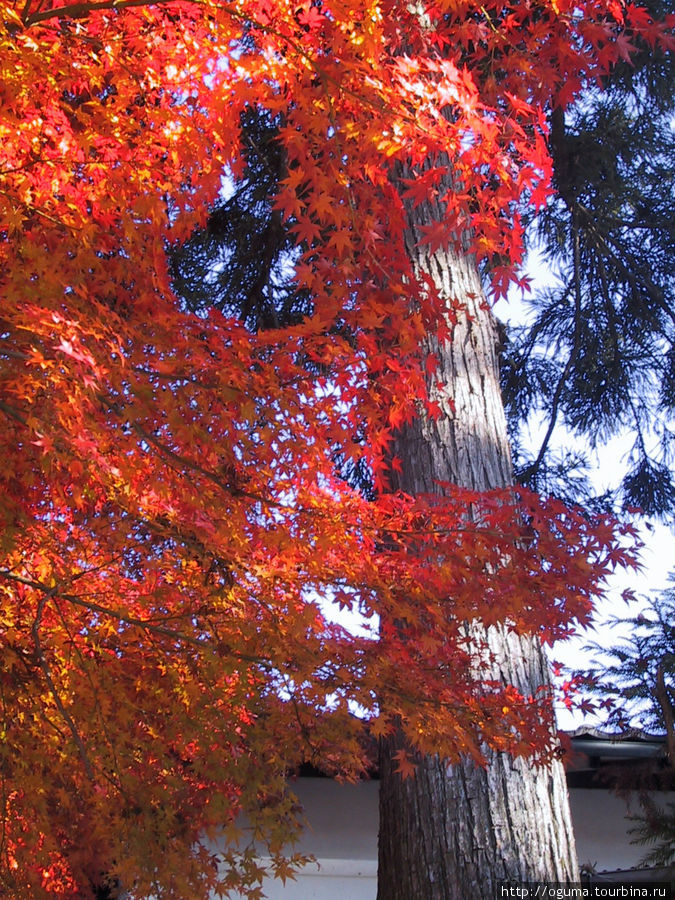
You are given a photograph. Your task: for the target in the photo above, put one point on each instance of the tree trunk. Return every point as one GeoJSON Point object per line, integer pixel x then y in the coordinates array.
{"type": "Point", "coordinates": [455, 832]}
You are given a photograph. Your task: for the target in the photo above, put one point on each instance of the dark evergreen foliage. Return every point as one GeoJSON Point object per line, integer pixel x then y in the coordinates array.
{"type": "Point", "coordinates": [597, 355]}
{"type": "Point", "coordinates": [655, 829]}
{"type": "Point", "coordinates": [242, 262]}
{"type": "Point", "coordinates": [636, 675]}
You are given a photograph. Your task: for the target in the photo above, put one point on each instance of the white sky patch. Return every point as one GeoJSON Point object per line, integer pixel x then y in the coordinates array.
{"type": "Point", "coordinates": [350, 618]}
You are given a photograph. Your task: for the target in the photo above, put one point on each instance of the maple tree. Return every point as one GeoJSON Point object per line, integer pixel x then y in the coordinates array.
{"type": "Point", "coordinates": [170, 509]}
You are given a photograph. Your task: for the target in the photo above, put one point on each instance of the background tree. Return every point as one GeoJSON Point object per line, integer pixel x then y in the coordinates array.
{"type": "Point", "coordinates": [458, 830]}
{"type": "Point", "coordinates": [242, 261]}
{"type": "Point", "coordinates": [609, 227]}
{"type": "Point", "coordinates": [596, 354]}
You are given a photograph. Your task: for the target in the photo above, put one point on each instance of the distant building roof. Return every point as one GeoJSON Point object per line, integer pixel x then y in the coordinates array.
{"type": "Point", "coordinates": [590, 750]}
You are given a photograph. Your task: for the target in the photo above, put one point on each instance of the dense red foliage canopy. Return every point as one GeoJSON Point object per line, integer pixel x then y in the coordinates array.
{"type": "Point", "coordinates": [169, 510]}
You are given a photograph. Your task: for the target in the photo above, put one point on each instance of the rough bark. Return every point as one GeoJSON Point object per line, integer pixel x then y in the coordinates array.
{"type": "Point", "coordinates": [456, 832]}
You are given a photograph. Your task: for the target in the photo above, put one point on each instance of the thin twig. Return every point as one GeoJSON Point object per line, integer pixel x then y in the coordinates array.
{"type": "Point", "coordinates": [13, 414]}
{"type": "Point", "coordinates": [35, 631]}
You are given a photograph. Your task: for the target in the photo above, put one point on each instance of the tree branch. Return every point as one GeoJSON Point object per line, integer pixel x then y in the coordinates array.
{"type": "Point", "coordinates": [119, 616]}
{"type": "Point", "coordinates": [81, 10]}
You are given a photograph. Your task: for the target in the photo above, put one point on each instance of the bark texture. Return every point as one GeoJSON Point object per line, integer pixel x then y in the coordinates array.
{"type": "Point", "coordinates": [455, 832]}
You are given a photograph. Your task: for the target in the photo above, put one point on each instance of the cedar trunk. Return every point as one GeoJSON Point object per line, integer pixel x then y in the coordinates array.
{"type": "Point", "coordinates": [456, 832]}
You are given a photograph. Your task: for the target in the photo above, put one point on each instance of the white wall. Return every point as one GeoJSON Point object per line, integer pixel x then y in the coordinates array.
{"type": "Point", "coordinates": [601, 829]}
{"type": "Point", "coordinates": [342, 836]}
{"type": "Point", "coordinates": [329, 879]}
